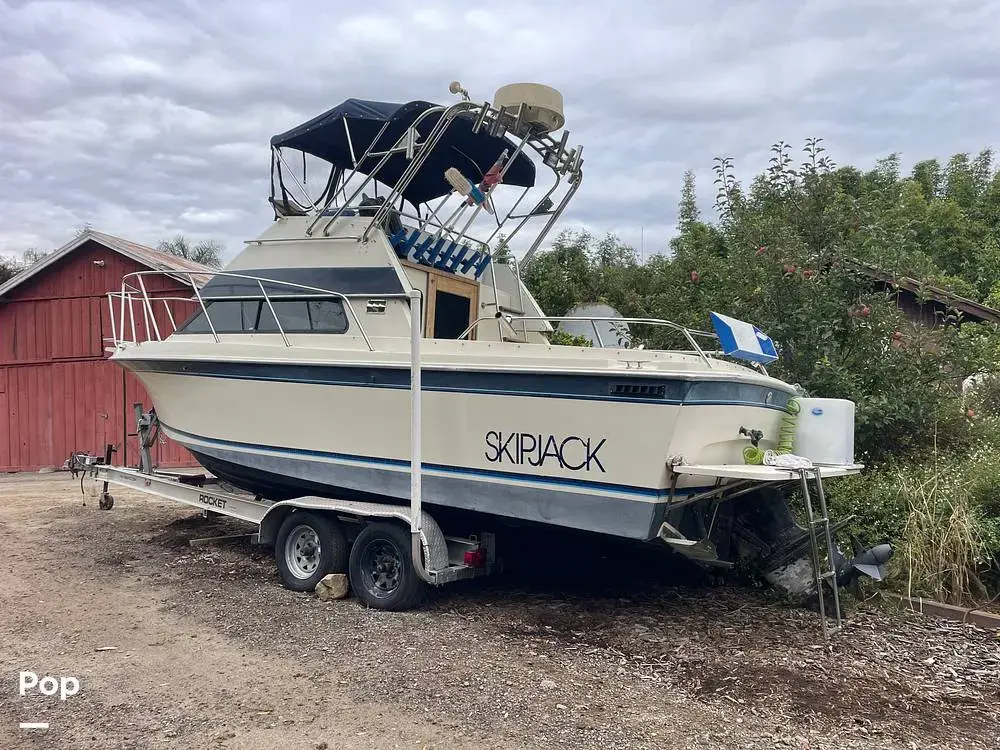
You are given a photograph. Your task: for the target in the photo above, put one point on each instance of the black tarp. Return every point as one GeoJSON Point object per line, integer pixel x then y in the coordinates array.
{"type": "Point", "coordinates": [471, 153]}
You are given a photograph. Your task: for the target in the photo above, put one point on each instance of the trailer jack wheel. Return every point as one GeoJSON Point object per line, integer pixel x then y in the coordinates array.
{"type": "Point", "coordinates": [106, 501]}
{"type": "Point", "coordinates": [381, 569]}
{"type": "Point", "coordinates": [308, 547]}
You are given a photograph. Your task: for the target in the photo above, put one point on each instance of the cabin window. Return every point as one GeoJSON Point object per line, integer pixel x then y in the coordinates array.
{"type": "Point", "coordinates": [250, 316]}
{"type": "Point", "coordinates": [227, 317]}
{"type": "Point", "coordinates": [304, 316]}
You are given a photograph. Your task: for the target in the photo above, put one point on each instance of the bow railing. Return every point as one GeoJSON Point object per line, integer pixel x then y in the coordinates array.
{"type": "Point", "coordinates": [134, 292]}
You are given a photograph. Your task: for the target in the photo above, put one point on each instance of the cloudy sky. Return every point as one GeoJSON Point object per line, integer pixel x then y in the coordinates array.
{"type": "Point", "coordinates": [147, 118]}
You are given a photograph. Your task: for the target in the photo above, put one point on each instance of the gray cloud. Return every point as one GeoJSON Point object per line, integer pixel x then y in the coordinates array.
{"type": "Point", "coordinates": [147, 118]}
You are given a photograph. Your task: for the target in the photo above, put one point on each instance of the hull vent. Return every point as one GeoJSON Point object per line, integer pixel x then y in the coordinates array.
{"type": "Point", "coordinates": [642, 390]}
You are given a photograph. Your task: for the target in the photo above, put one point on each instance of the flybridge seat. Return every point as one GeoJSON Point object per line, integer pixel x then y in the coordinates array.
{"type": "Point", "coordinates": [439, 252]}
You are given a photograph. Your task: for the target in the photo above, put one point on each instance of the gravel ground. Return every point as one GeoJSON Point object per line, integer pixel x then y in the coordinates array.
{"type": "Point", "coordinates": [601, 650]}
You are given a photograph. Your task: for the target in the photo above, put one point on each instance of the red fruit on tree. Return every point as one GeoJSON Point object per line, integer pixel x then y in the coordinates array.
{"type": "Point", "coordinates": [694, 277]}
{"type": "Point", "coordinates": [897, 336]}
{"type": "Point", "coordinates": [761, 250]}
{"type": "Point", "coordinates": [865, 311]}
{"type": "Point", "coordinates": [970, 414]}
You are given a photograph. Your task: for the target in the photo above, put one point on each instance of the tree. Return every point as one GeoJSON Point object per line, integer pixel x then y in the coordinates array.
{"type": "Point", "coordinates": [782, 254]}
{"type": "Point", "coordinates": [9, 268]}
{"type": "Point", "coordinates": [32, 255]}
{"type": "Point", "coordinates": [688, 214]}
{"type": "Point", "coordinates": [502, 253]}
{"type": "Point", "coordinates": [206, 252]}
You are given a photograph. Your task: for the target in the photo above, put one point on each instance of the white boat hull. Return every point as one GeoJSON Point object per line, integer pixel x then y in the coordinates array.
{"type": "Point", "coordinates": [555, 448]}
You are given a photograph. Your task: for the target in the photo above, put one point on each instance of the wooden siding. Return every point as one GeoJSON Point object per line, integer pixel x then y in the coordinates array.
{"type": "Point", "coordinates": [58, 392]}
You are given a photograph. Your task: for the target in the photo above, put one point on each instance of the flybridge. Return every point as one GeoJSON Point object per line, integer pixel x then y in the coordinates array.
{"type": "Point", "coordinates": [448, 171]}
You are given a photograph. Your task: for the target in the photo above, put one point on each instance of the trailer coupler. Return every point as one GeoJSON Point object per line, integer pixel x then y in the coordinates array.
{"type": "Point", "coordinates": [81, 463]}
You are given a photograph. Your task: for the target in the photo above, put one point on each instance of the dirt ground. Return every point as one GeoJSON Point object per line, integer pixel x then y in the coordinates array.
{"type": "Point", "coordinates": [602, 651]}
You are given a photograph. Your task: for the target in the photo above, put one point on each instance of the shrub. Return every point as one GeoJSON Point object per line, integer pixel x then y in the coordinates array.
{"type": "Point", "coordinates": [941, 510]}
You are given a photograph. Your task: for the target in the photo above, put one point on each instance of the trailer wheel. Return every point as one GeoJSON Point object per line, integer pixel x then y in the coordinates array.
{"type": "Point", "coordinates": [308, 547]}
{"type": "Point", "coordinates": [381, 569]}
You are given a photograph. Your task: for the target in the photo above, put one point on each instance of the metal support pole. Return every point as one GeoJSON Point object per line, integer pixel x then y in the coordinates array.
{"type": "Point", "coordinates": [273, 313]}
{"type": "Point", "coordinates": [148, 308]}
{"type": "Point", "coordinates": [111, 317]}
{"type": "Point", "coordinates": [416, 333]}
{"type": "Point", "coordinates": [121, 322]}
{"type": "Point", "coordinates": [415, 433]}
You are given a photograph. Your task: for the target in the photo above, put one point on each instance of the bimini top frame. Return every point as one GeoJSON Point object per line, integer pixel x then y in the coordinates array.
{"type": "Point", "coordinates": [409, 147]}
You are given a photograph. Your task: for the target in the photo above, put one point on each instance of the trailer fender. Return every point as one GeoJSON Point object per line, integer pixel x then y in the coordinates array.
{"type": "Point", "coordinates": [271, 522]}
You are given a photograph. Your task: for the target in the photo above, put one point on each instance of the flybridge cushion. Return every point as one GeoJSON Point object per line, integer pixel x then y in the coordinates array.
{"type": "Point", "coordinates": [441, 253]}
{"type": "Point", "coordinates": [743, 340]}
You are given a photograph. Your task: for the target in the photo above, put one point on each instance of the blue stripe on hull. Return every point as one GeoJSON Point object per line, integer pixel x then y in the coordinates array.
{"type": "Point", "coordinates": [297, 472]}
{"type": "Point", "coordinates": [598, 386]}
{"type": "Point", "coordinates": [388, 464]}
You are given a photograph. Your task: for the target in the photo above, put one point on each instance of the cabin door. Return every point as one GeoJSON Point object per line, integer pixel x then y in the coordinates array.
{"type": "Point", "coordinates": [452, 304]}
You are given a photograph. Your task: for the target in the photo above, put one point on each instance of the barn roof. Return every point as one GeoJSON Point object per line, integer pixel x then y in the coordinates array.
{"type": "Point", "coordinates": [971, 309]}
{"type": "Point", "coordinates": [176, 267]}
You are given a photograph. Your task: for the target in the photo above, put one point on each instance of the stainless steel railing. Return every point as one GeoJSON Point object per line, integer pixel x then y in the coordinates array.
{"type": "Point", "coordinates": [130, 295]}
{"type": "Point", "coordinates": [689, 333]}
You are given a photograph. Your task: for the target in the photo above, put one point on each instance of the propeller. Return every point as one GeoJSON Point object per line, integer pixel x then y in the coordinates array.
{"type": "Point", "coordinates": [871, 562]}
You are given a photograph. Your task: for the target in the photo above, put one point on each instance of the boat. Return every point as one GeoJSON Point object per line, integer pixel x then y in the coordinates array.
{"type": "Point", "coordinates": [293, 377]}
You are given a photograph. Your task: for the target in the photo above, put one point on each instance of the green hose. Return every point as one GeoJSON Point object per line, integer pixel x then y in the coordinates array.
{"type": "Point", "coordinates": [789, 425]}
{"type": "Point", "coordinates": [754, 455]}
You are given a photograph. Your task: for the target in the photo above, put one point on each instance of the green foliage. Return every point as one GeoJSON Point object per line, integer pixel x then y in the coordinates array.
{"type": "Point", "coordinates": [787, 250]}
{"type": "Point", "coordinates": [941, 509]}
{"type": "Point", "coordinates": [782, 254]}
{"type": "Point", "coordinates": [561, 338]}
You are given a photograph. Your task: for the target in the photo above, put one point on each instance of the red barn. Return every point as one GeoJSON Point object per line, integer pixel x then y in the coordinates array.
{"type": "Point", "coordinates": [58, 392]}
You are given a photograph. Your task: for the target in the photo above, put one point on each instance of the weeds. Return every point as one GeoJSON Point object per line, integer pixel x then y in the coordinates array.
{"type": "Point", "coordinates": [941, 512]}
{"type": "Point", "coordinates": [943, 548]}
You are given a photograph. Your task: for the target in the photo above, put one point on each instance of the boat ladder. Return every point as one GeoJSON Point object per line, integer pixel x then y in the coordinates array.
{"type": "Point", "coordinates": [823, 560]}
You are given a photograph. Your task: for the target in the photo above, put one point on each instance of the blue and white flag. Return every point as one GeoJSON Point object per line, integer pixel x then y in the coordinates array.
{"type": "Point", "coordinates": [744, 340]}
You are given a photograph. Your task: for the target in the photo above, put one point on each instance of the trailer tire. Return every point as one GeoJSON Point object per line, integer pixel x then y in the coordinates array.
{"type": "Point", "coordinates": [381, 569]}
{"type": "Point", "coordinates": [308, 547]}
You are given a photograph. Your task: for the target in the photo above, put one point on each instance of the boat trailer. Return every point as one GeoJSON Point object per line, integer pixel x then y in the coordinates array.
{"type": "Point", "coordinates": [310, 534]}
{"type": "Point", "coordinates": [389, 569]}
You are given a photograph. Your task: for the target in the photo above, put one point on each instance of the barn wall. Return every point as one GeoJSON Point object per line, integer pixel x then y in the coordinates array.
{"type": "Point", "coordinates": [58, 392]}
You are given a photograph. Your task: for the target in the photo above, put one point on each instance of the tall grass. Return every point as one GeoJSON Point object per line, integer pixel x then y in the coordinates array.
{"type": "Point", "coordinates": [941, 512]}
{"type": "Point", "coordinates": [943, 547]}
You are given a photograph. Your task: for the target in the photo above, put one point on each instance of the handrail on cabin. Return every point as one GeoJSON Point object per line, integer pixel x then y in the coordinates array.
{"type": "Point", "coordinates": [689, 333]}
{"type": "Point", "coordinates": [130, 294]}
